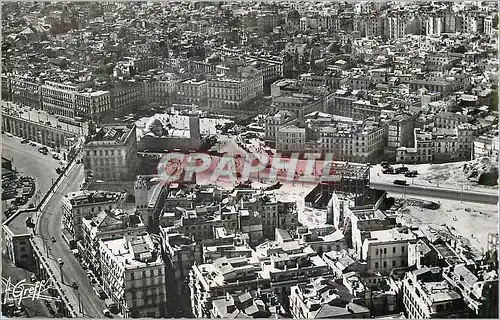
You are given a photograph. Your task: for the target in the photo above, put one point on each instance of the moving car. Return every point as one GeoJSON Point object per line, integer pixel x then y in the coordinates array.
{"type": "Point", "coordinates": [400, 182]}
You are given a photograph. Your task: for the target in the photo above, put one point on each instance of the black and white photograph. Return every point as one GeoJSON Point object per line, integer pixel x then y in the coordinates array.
{"type": "Point", "coordinates": [250, 159]}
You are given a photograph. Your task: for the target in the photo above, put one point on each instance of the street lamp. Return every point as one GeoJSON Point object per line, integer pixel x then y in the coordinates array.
{"type": "Point", "coordinates": [61, 263]}
{"type": "Point", "coordinates": [79, 303]}
{"type": "Point", "coordinates": [462, 193]}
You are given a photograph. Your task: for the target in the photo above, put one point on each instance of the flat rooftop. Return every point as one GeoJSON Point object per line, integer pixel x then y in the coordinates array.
{"type": "Point", "coordinates": [135, 251]}
{"type": "Point", "coordinates": [83, 197]}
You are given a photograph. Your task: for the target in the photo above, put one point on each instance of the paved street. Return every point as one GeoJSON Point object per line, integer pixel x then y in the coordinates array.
{"type": "Point", "coordinates": [29, 162]}
{"type": "Point", "coordinates": [50, 226]}
{"type": "Point", "coordinates": [451, 194]}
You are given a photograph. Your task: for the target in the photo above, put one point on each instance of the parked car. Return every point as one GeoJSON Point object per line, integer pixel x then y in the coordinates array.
{"type": "Point", "coordinates": [389, 170]}
{"type": "Point", "coordinates": [385, 164]}
{"type": "Point", "coordinates": [402, 169]}
{"type": "Point", "coordinates": [107, 313]}
{"type": "Point", "coordinates": [400, 182]}
{"type": "Point", "coordinates": [99, 292]}
{"type": "Point", "coordinates": [55, 156]}
{"type": "Point", "coordinates": [32, 144]}
{"type": "Point", "coordinates": [411, 174]}
{"type": "Point", "coordinates": [24, 141]}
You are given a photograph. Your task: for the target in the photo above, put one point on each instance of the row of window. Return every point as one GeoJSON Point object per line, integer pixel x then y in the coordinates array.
{"type": "Point", "coordinates": [394, 264]}
{"type": "Point", "coordinates": [384, 251]}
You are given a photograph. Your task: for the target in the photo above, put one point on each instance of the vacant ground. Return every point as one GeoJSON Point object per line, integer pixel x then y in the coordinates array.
{"type": "Point", "coordinates": [472, 221]}
{"type": "Point", "coordinates": [447, 175]}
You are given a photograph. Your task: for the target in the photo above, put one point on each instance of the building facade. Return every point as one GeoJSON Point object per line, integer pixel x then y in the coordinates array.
{"type": "Point", "coordinates": [133, 276]}
{"type": "Point", "coordinates": [81, 204]}
{"type": "Point", "coordinates": [111, 153]}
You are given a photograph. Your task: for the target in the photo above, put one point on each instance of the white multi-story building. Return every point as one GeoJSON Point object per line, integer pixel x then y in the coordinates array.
{"type": "Point", "coordinates": [427, 295]}
{"type": "Point", "coordinates": [108, 224]}
{"type": "Point", "coordinates": [133, 275]}
{"type": "Point", "coordinates": [319, 299]}
{"type": "Point", "coordinates": [385, 250]}
{"type": "Point", "coordinates": [486, 146]}
{"type": "Point", "coordinates": [111, 153]}
{"type": "Point", "coordinates": [72, 101]}
{"type": "Point", "coordinates": [228, 92]}
{"type": "Point", "coordinates": [273, 124]}
{"type": "Point", "coordinates": [362, 143]}
{"type": "Point", "coordinates": [81, 204]}
{"type": "Point", "coordinates": [291, 138]}
{"type": "Point", "coordinates": [442, 145]}
{"type": "Point", "coordinates": [192, 91]}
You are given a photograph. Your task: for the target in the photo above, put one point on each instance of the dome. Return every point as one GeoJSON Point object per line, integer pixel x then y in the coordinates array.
{"type": "Point", "coordinates": [293, 15]}
{"type": "Point", "coordinates": [154, 125]}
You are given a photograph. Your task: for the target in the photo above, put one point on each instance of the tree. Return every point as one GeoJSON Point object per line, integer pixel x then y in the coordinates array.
{"type": "Point", "coordinates": [494, 100]}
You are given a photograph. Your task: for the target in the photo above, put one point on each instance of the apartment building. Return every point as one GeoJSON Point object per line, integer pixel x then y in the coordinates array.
{"type": "Point", "coordinates": [275, 271]}
{"type": "Point", "coordinates": [6, 87]}
{"type": "Point", "coordinates": [234, 91]}
{"type": "Point", "coordinates": [25, 91]}
{"type": "Point", "coordinates": [224, 275]}
{"type": "Point", "coordinates": [111, 153]}
{"type": "Point", "coordinates": [363, 109]}
{"type": "Point", "coordinates": [85, 204]}
{"type": "Point", "coordinates": [440, 145]}
{"type": "Point", "coordinates": [342, 103]}
{"type": "Point", "coordinates": [432, 85]}
{"type": "Point", "coordinates": [72, 101]}
{"type": "Point", "coordinates": [324, 299]}
{"type": "Point", "coordinates": [253, 304]}
{"type": "Point", "coordinates": [198, 223]}
{"type": "Point", "coordinates": [133, 275]}
{"type": "Point", "coordinates": [358, 143]}
{"type": "Point", "coordinates": [107, 224]}
{"type": "Point", "coordinates": [274, 122]}
{"type": "Point", "coordinates": [400, 131]}
{"type": "Point", "coordinates": [125, 96]}
{"type": "Point", "coordinates": [299, 105]}
{"type": "Point", "coordinates": [364, 219]}
{"type": "Point", "coordinates": [385, 250]}
{"type": "Point", "coordinates": [274, 213]}
{"type": "Point", "coordinates": [486, 145]}
{"type": "Point", "coordinates": [192, 91]}
{"type": "Point", "coordinates": [426, 295]}
{"type": "Point", "coordinates": [449, 120]}
{"type": "Point", "coordinates": [291, 138]}
{"type": "Point", "coordinates": [478, 287]}
{"type": "Point", "coordinates": [181, 252]}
